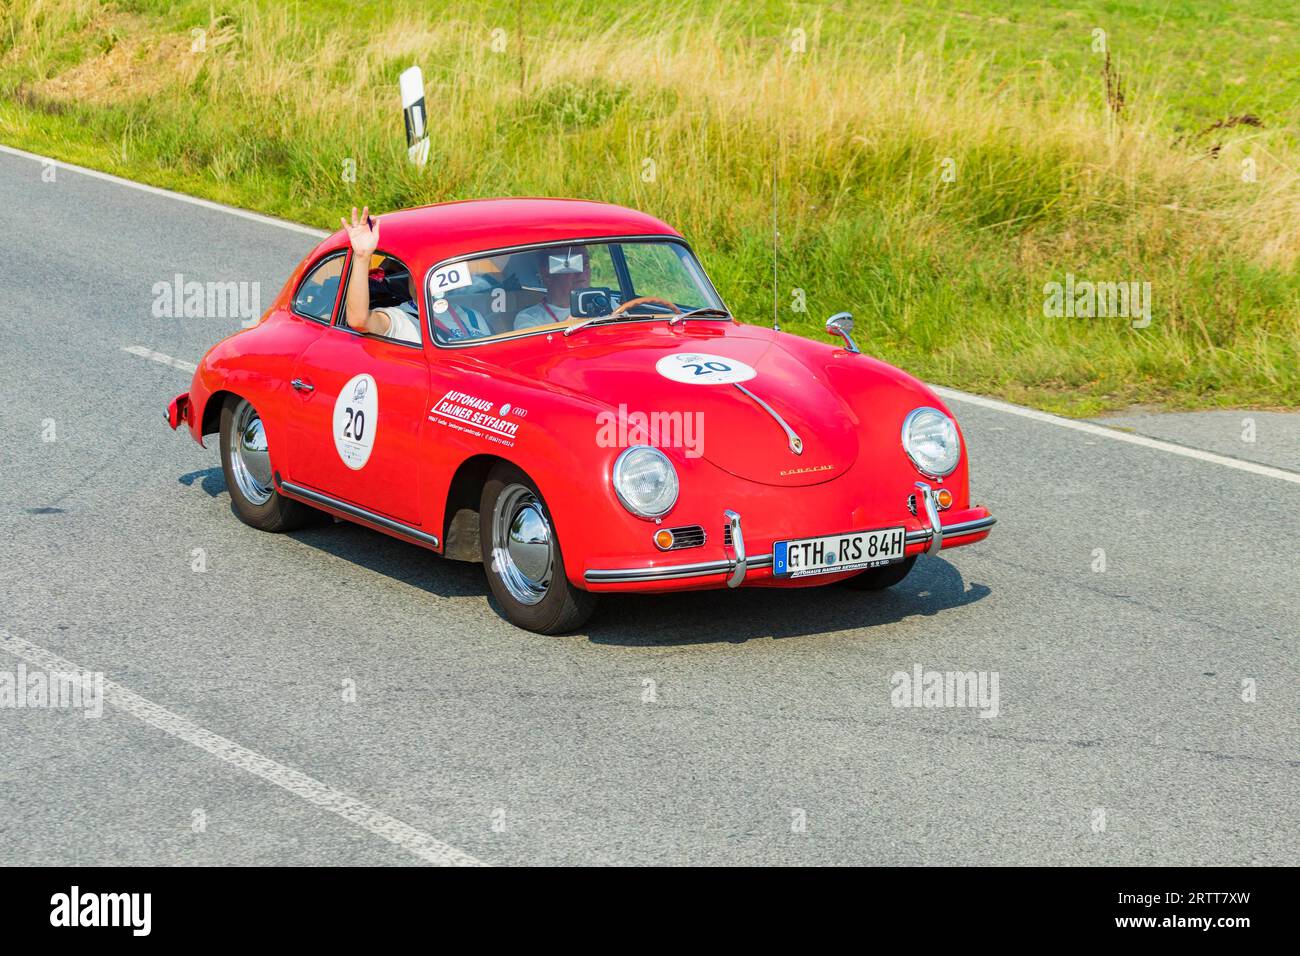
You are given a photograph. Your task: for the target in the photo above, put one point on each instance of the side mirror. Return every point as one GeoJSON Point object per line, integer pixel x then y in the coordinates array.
{"type": "Point", "coordinates": [841, 324]}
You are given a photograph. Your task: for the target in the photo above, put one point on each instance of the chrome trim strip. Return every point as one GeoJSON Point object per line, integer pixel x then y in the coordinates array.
{"type": "Point", "coordinates": [738, 545]}
{"type": "Point", "coordinates": [361, 514]}
{"type": "Point", "coordinates": [958, 530]}
{"type": "Point", "coordinates": [795, 442]}
{"type": "Point", "coordinates": [635, 575]}
{"type": "Point", "coordinates": [700, 569]}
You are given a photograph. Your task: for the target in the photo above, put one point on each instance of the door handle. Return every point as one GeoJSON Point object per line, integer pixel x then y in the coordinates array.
{"type": "Point", "coordinates": [300, 386]}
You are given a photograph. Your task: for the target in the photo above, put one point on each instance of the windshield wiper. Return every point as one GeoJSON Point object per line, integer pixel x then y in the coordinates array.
{"type": "Point", "coordinates": [613, 318]}
{"type": "Point", "coordinates": [673, 317]}
{"type": "Point", "coordinates": [707, 310]}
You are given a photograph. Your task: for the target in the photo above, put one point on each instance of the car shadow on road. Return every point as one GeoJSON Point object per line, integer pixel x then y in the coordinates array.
{"type": "Point", "coordinates": [211, 480]}
{"type": "Point", "coordinates": [690, 617]}
{"type": "Point", "coordinates": [733, 617]}
{"type": "Point", "coordinates": [410, 564]}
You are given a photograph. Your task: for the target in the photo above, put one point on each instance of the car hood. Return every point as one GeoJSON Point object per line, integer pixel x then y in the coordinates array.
{"type": "Point", "coordinates": [680, 386]}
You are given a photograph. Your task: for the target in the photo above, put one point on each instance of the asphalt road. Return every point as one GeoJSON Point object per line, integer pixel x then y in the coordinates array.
{"type": "Point", "coordinates": [1121, 736]}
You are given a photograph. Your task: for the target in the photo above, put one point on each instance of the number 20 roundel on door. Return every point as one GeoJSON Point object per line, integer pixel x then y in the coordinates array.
{"type": "Point", "coordinates": [356, 413]}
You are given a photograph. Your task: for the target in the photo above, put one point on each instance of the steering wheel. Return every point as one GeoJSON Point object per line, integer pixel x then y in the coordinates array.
{"type": "Point", "coordinates": [624, 306]}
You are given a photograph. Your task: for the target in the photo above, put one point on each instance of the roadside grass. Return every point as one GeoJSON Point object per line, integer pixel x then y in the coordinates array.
{"type": "Point", "coordinates": [935, 169]}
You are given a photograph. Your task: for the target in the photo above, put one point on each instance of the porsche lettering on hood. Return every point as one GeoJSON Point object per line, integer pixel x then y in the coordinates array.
{"type": "Point", "coordinates": [807, 471]}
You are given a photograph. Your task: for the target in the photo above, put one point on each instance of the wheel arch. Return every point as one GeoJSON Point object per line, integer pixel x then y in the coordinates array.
{"type": "Point", "coordinates": [211, 422]}
{"type": "Point", "coordinates": [460, 534]}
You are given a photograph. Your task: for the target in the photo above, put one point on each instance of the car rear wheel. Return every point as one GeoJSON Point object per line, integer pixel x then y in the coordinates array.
{"type": "Point", "coordinates": [877, 579]}
{"type": "Point", "coordinates": [246, 461]}
{"type": "Point", "coordinates": [522, 557]}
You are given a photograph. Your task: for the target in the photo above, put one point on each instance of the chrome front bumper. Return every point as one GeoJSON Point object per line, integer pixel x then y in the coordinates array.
{"type": "Point", "coordinates": [738, 564]}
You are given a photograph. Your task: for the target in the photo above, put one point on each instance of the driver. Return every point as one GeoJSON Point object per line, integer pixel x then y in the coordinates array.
{"type": "Point", "coordinates": [401, 322]}
{"type": "Point", "coordinates": [563, 269]}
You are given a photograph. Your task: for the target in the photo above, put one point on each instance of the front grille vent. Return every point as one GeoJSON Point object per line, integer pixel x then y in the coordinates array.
{"type": "Point", "coordinates": [687, 536]}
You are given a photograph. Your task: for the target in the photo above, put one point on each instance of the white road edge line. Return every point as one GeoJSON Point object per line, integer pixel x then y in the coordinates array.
{"type": "Point", "coordinates": [158, 357]}
{"type": "Point", "coordinates": [414, 841]}
{"type": "Point", "coordinates": [159, 191]}
{"type": "Point", "coordinates": [1101, 431]}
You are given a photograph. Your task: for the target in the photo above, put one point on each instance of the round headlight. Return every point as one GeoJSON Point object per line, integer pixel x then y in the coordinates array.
{"type": "Point", "coordinates": [930, 440]}
{"type": "Point", "coordinates": [645, 481]}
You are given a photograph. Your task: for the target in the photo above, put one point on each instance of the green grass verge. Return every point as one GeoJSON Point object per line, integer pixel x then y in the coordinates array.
{"type": "Point", "coordinates": [938, 165]}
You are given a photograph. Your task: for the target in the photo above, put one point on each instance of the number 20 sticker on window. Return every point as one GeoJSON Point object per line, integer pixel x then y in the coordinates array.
{"type": "Point", "coordinates": [449, 277]}
{"type": "Point", "coordinates": [356, 419]}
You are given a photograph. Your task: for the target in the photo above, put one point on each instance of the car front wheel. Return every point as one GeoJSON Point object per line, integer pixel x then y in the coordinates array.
{"type": "Point", "coordinates": [522, 558]}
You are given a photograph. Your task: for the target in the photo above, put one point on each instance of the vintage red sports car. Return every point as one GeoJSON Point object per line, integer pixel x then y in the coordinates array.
{"type": "Point", "coordinates": [573, 405]}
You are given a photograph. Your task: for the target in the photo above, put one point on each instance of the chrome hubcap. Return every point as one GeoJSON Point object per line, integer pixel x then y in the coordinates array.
{"type": "Point", "coordinates": [250, 460]}
{"type": "Point", "coordinates": [522, 544]}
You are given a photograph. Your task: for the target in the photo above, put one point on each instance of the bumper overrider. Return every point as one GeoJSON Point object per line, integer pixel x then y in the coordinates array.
{"type": "Point", "coordinates": [931, 537]}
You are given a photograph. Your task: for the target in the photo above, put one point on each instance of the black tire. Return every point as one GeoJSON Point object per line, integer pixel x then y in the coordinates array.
{"type": "Point", "coordinates": [275, 512]}
{"type": "Point", "coordinates": [877, 579]}
{"type": "Point", "coordinates": [547, 603]}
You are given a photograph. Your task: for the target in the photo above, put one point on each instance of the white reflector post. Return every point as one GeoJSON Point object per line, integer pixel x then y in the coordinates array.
{"type": "Point", "coordinates": [417, 134]}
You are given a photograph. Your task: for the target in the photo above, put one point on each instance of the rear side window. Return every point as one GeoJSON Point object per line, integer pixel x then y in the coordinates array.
{"type": "Point", "coordinates": [318, 292]}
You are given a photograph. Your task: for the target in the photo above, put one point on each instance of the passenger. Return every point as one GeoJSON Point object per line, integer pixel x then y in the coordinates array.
{"type": "Point", "coordinates": [401, 322]}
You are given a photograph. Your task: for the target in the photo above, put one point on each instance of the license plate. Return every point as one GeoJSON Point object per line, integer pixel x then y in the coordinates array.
{"type": "Point", "coordinates": [854, 551]}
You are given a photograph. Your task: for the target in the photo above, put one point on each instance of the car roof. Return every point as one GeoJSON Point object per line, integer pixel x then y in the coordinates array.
{"type": "Point", "coordinates": [429, 234]}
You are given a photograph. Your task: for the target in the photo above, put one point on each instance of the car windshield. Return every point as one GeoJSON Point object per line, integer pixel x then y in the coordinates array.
{"type": "Point", "coordinates": [556, 286]}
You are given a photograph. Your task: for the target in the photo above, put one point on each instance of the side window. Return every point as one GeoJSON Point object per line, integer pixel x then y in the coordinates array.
{"type": "Point", "coordinates": [390, 287]}
{"type": "Point", "coordinates": [318, 292]}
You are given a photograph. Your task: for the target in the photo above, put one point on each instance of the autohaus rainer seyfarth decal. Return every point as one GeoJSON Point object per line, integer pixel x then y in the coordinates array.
{"type": "Point", "coordinates": [476, 417]}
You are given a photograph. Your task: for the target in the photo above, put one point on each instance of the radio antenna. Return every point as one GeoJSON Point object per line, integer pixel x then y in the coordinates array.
{"type": "Point", "coordinates": [776, 296]}
{"type": "Point", "coordinates": [519, 32]}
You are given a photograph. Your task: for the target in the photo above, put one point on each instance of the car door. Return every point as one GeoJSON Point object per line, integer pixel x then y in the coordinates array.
{"type": "Point", "coordinates": [362, 401]}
